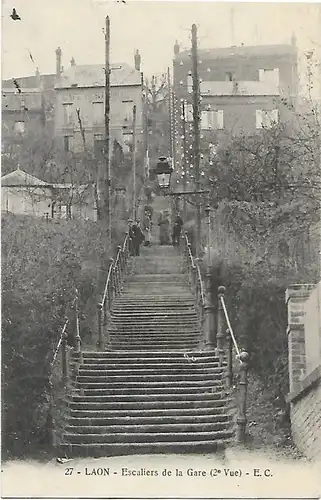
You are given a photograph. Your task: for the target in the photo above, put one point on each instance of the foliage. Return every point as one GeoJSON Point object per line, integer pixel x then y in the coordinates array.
{"type": "Point", "coordinates": [42, 263]}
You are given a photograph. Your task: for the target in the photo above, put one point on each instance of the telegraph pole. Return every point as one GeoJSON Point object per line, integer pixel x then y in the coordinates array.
{"type": "Point", "coordinates": [184, 156]}
{"type": "Point", "coordinates": [134, 163]}
{"type": "Point", "coordinates": [196, 133]}
{"type": "Point", "coordinates": [106, 177]}
{"type": "Point", "coordinates": [170, 113]}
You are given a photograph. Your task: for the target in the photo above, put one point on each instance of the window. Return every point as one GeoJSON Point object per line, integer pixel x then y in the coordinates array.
{"type": "Point", "coordinates": [266, 119]}
{"type": "Point", "coordinates": [98, 144]}
{"type": "Point", "coordinates": [68, 143]}
{"type": "Point", "coordinates": [189, 112]}
{"type": "Point", "coordinates": [19, 127]}
{"type": "Point", "coordinates": [68, 117]}
{"type": "Point", "coordinates": [128, 111]}
{"type": "Point", "coordinates": [269, 75]}
{"type": "Point", "coordinates": [189, 84]}
{"type": "Point", "coordinates": [212, 120]}
{"type": "Point", "coordinates": [98, 113]}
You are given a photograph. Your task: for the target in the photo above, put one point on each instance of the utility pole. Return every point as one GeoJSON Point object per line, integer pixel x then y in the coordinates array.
{"type": "Point", "coordinates": [184, 155]}
{"type": "Point", "coordinates": [196, 133]}
{"type": "Point", "coordinates": [134, 163]}
{"type": "Point", "coordinates": [145, 125]}
{"type": "Point", "coordinates": [170, 114]}
{"type": "Point", "coordinates": [106, 177]}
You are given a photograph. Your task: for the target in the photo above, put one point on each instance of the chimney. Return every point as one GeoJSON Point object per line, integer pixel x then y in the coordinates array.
{"type": "Point", "coordinates": [72, 62]}
{"type": "Point", "coordinates": [176, 48]}
{"type": "Point", "coordinates": [293, 40]}
{"type": "Point", "coordinates": [58, 62]}
{"type": "Point", "coordinates": [137, 60]}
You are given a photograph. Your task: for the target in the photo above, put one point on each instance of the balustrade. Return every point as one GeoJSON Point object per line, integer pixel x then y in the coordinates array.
{"type": "Point", "coordinates": [225, 339]}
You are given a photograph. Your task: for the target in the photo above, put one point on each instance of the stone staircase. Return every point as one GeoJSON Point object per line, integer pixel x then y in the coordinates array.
{"type": "Point", "coordinates": [153, 390]}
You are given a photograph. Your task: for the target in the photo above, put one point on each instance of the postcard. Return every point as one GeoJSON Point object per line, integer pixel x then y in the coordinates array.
{"type": "Point", "coordinates": [160, 210]}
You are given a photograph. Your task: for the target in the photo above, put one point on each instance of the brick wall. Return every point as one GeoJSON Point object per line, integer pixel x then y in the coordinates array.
{"type": "Point", "coordinates": [304, 376]}
{"type": "Point", "coordinates": [306, 418]}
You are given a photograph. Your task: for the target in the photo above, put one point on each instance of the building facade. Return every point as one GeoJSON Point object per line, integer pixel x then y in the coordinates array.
{"type": "Point", "coordinates": [25, 194]}
{"type": "Point", "coordinates": [80, 105]}
{"type": "Point", "coordinates": [27, 108]}
{"type": "Point", "coordinates": [243, 89]}
{"type": "Point", "coordinates": [304, 346]}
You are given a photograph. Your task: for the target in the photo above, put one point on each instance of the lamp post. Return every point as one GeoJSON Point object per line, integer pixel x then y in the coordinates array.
{"type": "Point", "coordinates": [209, 307]}
{"type": "Point", "coordinates": [164, 171]}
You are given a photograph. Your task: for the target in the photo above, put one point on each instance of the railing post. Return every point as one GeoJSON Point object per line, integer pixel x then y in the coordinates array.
{"type": "Point", "coordinates": [209, 323]}
{"type": "Point", "coordinates": [100, 326]}
{"type": "Point", "coordinates": [77, 336]}
{"type": "Point", "coordinates": [243, 381]}
{"type": "Point", "coordinates": [220, 325]}
{"type": "Point", "coordinates": [110, 289]}
{"type": "Point", "coordinates": [194, 278]}
{"type": "Point", "coordinates": [64, 359]}
{"type": "Point", "coordinates": [229, 368]}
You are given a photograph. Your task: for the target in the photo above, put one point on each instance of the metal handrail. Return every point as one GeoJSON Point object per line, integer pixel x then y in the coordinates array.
{"type": "Point", "coordinates": [107, 283]}
{"type": "Point", "coordinates": [194, 264]}
{"type": "Point", "coordinates": [230, 328]}
{"type": "Point", "coordinates": [59, 342]}
{"type": "Point", "coordinates": [63, 331]}
{"type": "Point", "coordinates": [201, 283]}
{"type": "Point", "coordinates": [125, 242]}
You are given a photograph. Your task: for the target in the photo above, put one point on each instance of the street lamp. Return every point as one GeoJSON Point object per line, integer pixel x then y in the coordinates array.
{"type": "Point", "coordinates": [164, 171]}
{"type": "Point", "coordinates": [209, 309]}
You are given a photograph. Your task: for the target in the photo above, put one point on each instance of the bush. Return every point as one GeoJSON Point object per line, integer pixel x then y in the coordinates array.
{"type": "Point", "coordinates": [42, 263]}
{"type": "Point", "coordinates": [256, 282]}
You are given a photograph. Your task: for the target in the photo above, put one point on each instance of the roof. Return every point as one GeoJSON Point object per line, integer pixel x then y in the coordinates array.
{"type": "Point", "coordinates": [93, 75]}
{"type": "Point", "coordinates": [242, 51]}
{"type": "Point", "coordinates": [20, 178]}
{"type": "Point", "coordinates": [32, 82]}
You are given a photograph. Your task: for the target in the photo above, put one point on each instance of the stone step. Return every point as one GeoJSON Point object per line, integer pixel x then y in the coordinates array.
{"type": "Point", "coordinates": [134, 346]}
{"type": "Point", "coordinates": [161, 320]}
{"type": "Point", "coordinates": [129, 413]}
{"type": "Point", "coordinates": [108, 391]}
{"type": "Point", "coordinates": [170, 365]}
{"type": "Point", "coordinates": [157, 277]}
{"type": "Point", "coordinates": [168, 428]}
{"type": "Point", "coordinates": [141, 356]}
{"type": "Point", "coordinates": [147, 405]}
{"type": "Point", "coordinates": [148, 378]}
{"type": "Point", "coordinates": [155, 370]}
{"type": "Point", "coordinates": [147, 361]}
{"type": "Point", "coordinates": [146, 419]}
{"type": "Point", "coordinates": [146, 398]}
{"type": "Point", "coordinates": [145, 437]}
{"type": "Point", "coordinates": [97, 450]}
{"type": "Point", "coordinates": [151, 315]}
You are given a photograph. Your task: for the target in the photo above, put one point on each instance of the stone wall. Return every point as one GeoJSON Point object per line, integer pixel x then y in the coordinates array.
{"type": "Point", "coordinates": [305, 367]}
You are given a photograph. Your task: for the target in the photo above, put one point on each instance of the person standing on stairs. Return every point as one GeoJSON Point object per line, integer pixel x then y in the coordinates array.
{"type": "Point", "coordinates": [137, 237]}
{"type": "Point", "coordinates": [147, 223]}
{"type": "Point", "coordinates": [163, 223]}
{"type": "Point", "coordinates": [177, 228]}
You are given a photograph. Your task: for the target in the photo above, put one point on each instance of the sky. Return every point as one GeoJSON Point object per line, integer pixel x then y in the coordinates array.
{"type": "Point", "coordinates": [150, 26]}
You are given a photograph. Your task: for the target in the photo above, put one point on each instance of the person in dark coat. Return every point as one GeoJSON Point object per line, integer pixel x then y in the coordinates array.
{"type": "Point", "coordinates": [177, 228]}
{"type": "Point", "coordinates": [137, 237]}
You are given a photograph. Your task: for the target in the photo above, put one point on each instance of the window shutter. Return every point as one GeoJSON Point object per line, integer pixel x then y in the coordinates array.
{"type": "Point", "coordinates": [189, 84]}
{"type": "Point", "coordinates": [98, 113]}
{"type": "Point", "coordinates": [189, 113]}
{"type": "Point", "coordinates": [220, 119]}
{"type": "Point", "coordinates": [275, 115]}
